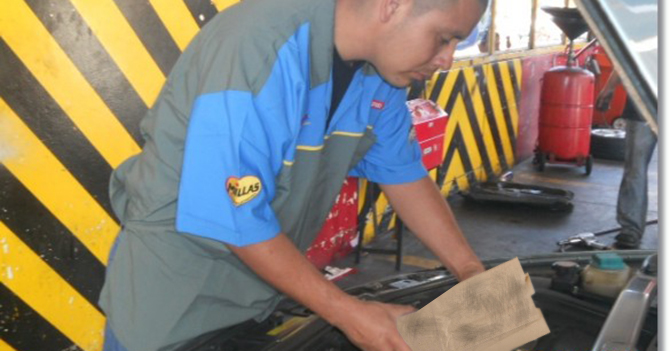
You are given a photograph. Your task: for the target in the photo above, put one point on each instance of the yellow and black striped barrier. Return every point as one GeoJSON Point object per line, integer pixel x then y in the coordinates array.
{"type": "Point", "coordinates": [76, 77]}
{"type": "Point", "coordinates": [482, 103]}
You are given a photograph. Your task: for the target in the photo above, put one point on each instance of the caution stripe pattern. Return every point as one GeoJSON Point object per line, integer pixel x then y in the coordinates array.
{"type": "Point", "coordinates": [480, 139]}
{"type": "Point", "coordinates": [77, 77]}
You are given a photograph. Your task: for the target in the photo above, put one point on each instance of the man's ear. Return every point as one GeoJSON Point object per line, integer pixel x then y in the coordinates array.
{"type": "Point", "coordinates": [390, 8]}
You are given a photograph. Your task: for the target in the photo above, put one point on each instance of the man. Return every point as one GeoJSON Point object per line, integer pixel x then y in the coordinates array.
{"type": "Point", "coordinates": [484, 43]}
{"type": "Point", "coordinates": [640, 144]}
{"type": "Point", "coordinates": [272, 105]}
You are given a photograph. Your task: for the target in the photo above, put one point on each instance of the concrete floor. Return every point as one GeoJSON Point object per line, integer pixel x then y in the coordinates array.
{"type": "Point", "coordinates": [508, 231]}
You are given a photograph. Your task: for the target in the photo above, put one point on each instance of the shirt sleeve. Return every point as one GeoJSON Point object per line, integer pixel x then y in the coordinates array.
{"type": "Point", "coordinates": [227, 178]}
{"type": "Point", "coordinates": [395, 157]}
{"type": "Point", "coordinates": [241, 126]}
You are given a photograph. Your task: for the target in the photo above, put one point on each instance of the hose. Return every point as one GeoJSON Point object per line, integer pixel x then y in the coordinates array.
{"type": "Point", "coordinates": [617, 229]}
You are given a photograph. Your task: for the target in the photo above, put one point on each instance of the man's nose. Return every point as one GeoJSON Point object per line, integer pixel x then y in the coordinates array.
{"type": "Point", "coordinates": [445, 58]}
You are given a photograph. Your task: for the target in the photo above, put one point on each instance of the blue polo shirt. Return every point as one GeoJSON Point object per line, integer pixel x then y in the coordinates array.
{"type": "Point", "coordinates": [238, 142]}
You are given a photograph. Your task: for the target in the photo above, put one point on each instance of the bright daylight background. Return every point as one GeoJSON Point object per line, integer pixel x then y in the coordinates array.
{"type": "Point", "coordinates": [513, 23]}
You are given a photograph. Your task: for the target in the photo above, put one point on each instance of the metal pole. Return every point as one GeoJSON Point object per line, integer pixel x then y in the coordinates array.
{"type": "Point", "coordinates": [492, 28]}
{"type": "Point", "coordinates": [564, 38]}
{"type": "Point", "coordinates": [533, 21]}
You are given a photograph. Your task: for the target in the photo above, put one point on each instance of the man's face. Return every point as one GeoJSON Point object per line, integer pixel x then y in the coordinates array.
{"type": "Point", "coordinates": [413, 47]}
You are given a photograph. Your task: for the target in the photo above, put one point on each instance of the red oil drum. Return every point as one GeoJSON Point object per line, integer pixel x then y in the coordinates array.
{"type": "Point", "coordinates": [566, 111]}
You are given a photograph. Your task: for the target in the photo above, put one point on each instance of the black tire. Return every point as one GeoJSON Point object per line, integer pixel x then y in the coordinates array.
{"type": "Point", "coordinates": [589, 165]}
{"type": "Point", "coordinates": [608, 144]}
{"type": "Point", "coordinates": [619, 123]}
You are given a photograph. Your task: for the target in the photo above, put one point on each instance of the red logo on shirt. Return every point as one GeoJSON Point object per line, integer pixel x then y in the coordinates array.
{"type": "Point", "coordinates": [377, 105]}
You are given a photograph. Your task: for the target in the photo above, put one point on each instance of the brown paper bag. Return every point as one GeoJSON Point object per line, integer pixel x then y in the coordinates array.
{"type": "Point", "coordinates": [492, 311]}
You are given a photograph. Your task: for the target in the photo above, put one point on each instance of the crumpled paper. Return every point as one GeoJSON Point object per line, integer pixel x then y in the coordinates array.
{"type": "Point", "coordinates": [492, 311]}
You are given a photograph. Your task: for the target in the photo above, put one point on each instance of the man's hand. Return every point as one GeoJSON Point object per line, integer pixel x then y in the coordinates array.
{"type": "Point", "coordinates": [372, 325]}
{"type": "Point", "coordinates": [472, 270]}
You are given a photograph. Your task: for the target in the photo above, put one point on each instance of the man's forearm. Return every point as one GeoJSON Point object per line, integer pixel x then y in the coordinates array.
{"type": "Point", "coordinates": [280, 263]}
{"type": "Point", "coordinates": [369, 325]}
{"type": "Point", "coordinates": [425, 211]}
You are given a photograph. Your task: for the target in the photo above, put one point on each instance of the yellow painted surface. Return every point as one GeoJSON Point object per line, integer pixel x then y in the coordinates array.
{"type": "Point", "coordinates": [461, 179]}
{"type": "Point", "coordinates": [447, 88]}
{"type": "Point", "coordinates": [25, 274]}
{"type": "Point", "coordinates": [47, 179]}
{"type": "Point", "coordinates": [289, 324]}
{"type": "Point", "coordinates": [380, 205]}
{"type": "Point", "coordinates": [518, 67]}
{"type": "Point", "coordinates": [362, 193]}
{"type": "Point", "coordinates": [498, 114]}
{"type": "Point", "coordinates": [484, 125]}
{"type": "Point", "coordinates": [433, 172]}
{"type": "Point", "coordinates": [118, 38]}
{"type": "Point", "coordinates": [455, 173]}
{"type": "Point", "coordinates": [177, 19]}
{"type": "Point", "coordinates": [394, 219]}
{"type": "Point", "coordinates": [224, 4]}
{"type": "Point", "coordinates": [459, 114]}
{"type": "Point", "coordinates": [28, 38]}
{"type": "Point", "coordinates": [461, 121]}
{"type": "Point", "coordinates": [509, 90]}
{"type": "Point", "coordinates": [5, 346]}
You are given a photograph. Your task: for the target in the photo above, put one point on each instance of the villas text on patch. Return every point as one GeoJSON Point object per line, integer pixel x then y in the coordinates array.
{"type": "Point", "coordinates": [242, 190]}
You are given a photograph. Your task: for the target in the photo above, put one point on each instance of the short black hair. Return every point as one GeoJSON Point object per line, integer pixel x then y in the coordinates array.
{"type": "Point", "coordinates": [422, 6]}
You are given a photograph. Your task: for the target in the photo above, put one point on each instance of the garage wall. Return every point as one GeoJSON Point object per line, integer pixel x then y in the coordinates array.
{"type": "Point", "coordinates": [482, 101]}
{"type": "Point", "coordinates": [76, 77]}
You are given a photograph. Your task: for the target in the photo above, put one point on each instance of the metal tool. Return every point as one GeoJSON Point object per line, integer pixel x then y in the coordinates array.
{"type": "Point", "coordinates": [583, 239]}
{"type": "Point", "coordinates": [589, 239]}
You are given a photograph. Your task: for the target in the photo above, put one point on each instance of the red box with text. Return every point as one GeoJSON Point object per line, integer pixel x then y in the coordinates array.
{"type": "Point", "coordinates": [430, 123]}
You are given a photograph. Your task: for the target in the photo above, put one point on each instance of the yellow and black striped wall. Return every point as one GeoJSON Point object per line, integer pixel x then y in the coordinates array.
{"type": "Point", "coordinates": [482, 101]}
{"type": "Point", "coordinates": [76, 77]}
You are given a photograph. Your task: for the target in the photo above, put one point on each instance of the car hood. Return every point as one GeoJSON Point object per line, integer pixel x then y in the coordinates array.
{"type": "Point", "coordinates": [628, 30]}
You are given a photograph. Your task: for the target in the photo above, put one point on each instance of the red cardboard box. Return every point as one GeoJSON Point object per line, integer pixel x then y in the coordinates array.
{"type": "Point", "coordinates": [431, 150]}
{"type": "Point", "coordinates": [430, 123]}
